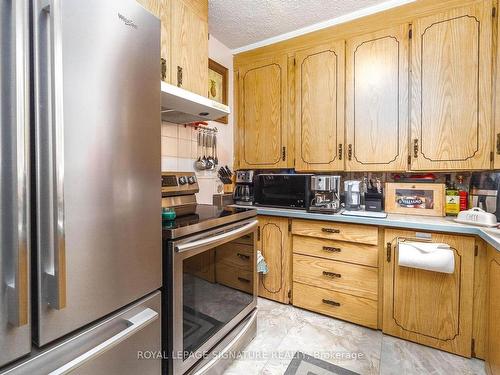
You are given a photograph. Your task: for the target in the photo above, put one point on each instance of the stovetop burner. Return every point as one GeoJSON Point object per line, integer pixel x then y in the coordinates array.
{"type": "Point", "coordinates": [205, 217]}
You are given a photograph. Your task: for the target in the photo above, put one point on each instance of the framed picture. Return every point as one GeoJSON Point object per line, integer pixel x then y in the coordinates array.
{"type": "Point", "coordinates": [416, 199]}
{"type": "Point", "coordinates": [218, 80]}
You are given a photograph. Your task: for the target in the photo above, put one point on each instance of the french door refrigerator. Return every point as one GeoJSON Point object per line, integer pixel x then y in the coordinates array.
{"type": "Point", "coordinates": [80, 256]}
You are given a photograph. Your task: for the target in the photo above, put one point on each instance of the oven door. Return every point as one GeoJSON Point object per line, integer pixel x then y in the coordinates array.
{"type": "Point", "coordinates": [214, 287]}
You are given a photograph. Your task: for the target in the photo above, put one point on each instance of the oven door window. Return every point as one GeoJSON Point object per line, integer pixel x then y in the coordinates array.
{"type": "Point", "coordinates": [217, 285]}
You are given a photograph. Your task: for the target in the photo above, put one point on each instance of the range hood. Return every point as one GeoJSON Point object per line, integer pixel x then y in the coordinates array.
{"type": "Point", "coordinates": [181, 106]}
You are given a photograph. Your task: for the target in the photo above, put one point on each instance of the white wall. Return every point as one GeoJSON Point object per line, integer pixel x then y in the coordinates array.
{"type": "Point", "coordinates": [178, 142]}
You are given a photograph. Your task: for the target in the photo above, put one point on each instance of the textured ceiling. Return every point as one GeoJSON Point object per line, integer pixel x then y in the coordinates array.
{"type": "Point", "coordinates": [238, 23]}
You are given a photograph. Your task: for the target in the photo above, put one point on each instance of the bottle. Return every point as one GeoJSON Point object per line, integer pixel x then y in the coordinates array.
{"type": "Point", "coordinates": [452, 200]}
{"type": "Point", "coordinates": [463, 193]}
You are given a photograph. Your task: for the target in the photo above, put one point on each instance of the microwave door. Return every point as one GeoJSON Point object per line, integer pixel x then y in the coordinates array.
{"type": "Point", "coordinates": [15, 330]}
{"type": "Point", "coordinates": [97, 150]}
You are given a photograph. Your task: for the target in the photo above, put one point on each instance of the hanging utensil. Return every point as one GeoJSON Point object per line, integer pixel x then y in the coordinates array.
{"type": "Point", "coordinates": [199, 164]}
{"type": "Point", "coordinates": [210, 158]}
{"type": "Point", "coordinates": [216, 158]}
{"type": "Point", "coordinates": [203, 149]}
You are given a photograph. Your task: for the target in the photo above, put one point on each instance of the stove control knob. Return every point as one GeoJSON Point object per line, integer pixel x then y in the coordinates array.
{"type": "Point", "coordinates": [182, 180]}
{"type": "Point", "coordinates": [191, 180]}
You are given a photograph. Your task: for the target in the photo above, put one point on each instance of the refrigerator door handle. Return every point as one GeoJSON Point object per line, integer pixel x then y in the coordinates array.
{"type": "Point", "coordinates": [17, 286]}
{"type": "Point", "coordinates": [134, 324]}
{"type": "Point", "coordinates": [55, 274]}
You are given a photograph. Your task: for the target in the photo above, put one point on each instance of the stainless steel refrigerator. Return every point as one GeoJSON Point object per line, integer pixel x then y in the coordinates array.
{"type": "Point", "coordinates": [80, 199]}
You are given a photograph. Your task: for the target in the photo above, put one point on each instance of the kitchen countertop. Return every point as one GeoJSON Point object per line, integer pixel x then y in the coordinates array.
{"type": "Point", "coordinates": [441, 224]}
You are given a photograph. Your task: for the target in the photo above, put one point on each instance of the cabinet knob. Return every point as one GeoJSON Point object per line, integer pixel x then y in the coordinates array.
{"type": "Point", "coordinates": [179, 76]}
{"type": "Point", "coordinates": [415, 148]}
{"type": "Point", "coordinates": [330, 302]}
{"type": "Point", "coordinates": [333, 275]}
{"type": "Point", "coordinates": [332, 249]}
{"type": "Point", "coordinates": [330, 230]}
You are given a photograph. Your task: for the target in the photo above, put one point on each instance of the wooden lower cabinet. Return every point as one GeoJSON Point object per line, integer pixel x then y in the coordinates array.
{"type": "Point", "coordinates": [493, 313]}
{"type": "Point", "coordinates": [273, 240]}
{"type": "Point", "coordinates": [338, 305]}
{"type": "Point", "coordinates": [430, 308]}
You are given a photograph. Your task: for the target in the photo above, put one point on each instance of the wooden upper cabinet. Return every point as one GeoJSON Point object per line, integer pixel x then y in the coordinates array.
{"type": "Point", "coordinates": [319, 105]}
{"type": "Point", "coordinates": [189, 60]}
{"type": "Point", "coordinates": [262, 114]}
{"type": "Point", "coordinates": [161, 9]}
{"type": "Point", "coordinates": [377, 101]}
{"type": "Point", "coordinates": [430, 308]}
{"type": "Point", "coordinates": [451, 89]}
{"type": "Point", "coordinates": [275, 244]}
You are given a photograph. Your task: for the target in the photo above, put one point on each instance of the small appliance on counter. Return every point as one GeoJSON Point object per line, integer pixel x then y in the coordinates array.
{"type": "Point", "coordinates": [352, 194]}
{"type": "Point", "coordinates": [325, 191]}
{"type": "Point", "coordinates": [374, 197]}
{"type": "Point", "coordinates": [484, 189]}
{"type": "Point", "coordinates": [285, 190]}
{"type": "Point", "coordinates": [244, 189]}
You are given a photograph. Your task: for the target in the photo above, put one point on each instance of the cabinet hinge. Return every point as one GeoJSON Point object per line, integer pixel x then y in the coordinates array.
{"type": "Point", "coordinates": [476, 250]}
{"type": "Point", "coordinates": [415, 148]}
{"type": "Point", "coordinates": [409, 159]}
{"type": "Point", "coordinates": [258, 233]}
{"type": "Point", "coordinates": [389, 252]}
{"type": "Point", "coordinates": [498, 143]}
{"type": "Point", "coordinates": [289, 226]}
{"type": "Point", "coordinates": [294, 61]}
{"type": "Point", "coordinates": [283, 153]}
{"type": "Point", "coordinates": [493, 12]}
{"type": "Point", "coordinates": [473, 348]}
{"type": "Point", "coordinates": [179, 76]}
{"type": "Point", "coordinates": [289, 294]}
{"type": "Point", "coordinates": [410, 33]}
{"type": "Point", "coordinates": [349, 152]}
{"type": "Point", "coordinates": [492, 156]}
{"type": "Point", "coordinates": [341, 151]}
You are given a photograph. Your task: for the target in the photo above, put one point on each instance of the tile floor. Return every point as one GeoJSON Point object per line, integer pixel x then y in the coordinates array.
{"type": "Point", "coordinates": [284, 329]}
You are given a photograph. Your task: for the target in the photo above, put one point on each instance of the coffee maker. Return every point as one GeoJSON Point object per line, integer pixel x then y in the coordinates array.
{"type": "Point", "coordinates": [244, 190]}
{"type": "Point", "coordinates": [352, 191]}
{"type": "Point", "coordinates": [326, 190]}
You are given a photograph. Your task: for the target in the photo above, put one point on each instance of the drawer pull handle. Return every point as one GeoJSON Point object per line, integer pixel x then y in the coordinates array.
{"type": "Point", "coordinates": [332, 249]}
{"type": "Point", "coordinates": [243, 280]}
{"type": "Point", "coordinates": [330, 230]}
{"type": "Point", "coordinates": [243, 256]}
{"type": "Point", "coordinates": [332, 274]}
{"type": "Point", "coordinates": [331, 303]}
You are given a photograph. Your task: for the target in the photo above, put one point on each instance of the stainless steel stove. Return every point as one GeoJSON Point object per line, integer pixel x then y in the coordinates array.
{"type": "Point", "coordinates": [209, 279]}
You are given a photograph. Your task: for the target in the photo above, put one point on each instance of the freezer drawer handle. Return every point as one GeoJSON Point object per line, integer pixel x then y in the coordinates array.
{"type": "Point", "coordinates": [135, 324]}
{"type": "Point", "coordinates": [218, 239]}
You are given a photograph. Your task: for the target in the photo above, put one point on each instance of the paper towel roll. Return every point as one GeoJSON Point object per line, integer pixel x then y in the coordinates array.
{"type": "Point", "coordinates": [437, 257]}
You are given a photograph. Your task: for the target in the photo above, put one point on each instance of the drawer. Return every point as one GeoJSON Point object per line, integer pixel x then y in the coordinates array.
{"type": "Point", "coordinates": [336, 231]}
{"type": "Point", "coordinates": [234, 277]}
{"type": "Point", "coordinates": [343, 277]}
{"type": "Point", "coordinates": [338, 305]}
{"type": "Point", "coordinates": [235, 255]}
{"type": "Point", "coordinates": [336, 250]}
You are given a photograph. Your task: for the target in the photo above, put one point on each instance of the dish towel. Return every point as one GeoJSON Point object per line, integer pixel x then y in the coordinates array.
{"type": "Point", "coordinates": [261, 263]}
{"type": "Point", "coordinates": [437, 257]}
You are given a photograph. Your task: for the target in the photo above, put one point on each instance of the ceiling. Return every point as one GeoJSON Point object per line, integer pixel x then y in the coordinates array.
{"type": "Point", "coordinates": [246, 24]}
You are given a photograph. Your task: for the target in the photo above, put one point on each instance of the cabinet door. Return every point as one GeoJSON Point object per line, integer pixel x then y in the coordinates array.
{"type": "Point", "coordinates": [161, 9]}
{"type": "Point", "coordinates": [493, 348]}
{"type": "Point", "coordinates": [377, 101]}
{"type": "Point", "coordinates": [189, 62]}
{"type": "Point", "coordinates": [262, 109]}
{"type": "Point", "coordinates": [274, 243]}
{"type": "Point", "coordinates": [451, 89]}
{"type": "Point", "coordinates": [319, 117]}
{"type": "Point", "coordinates": [430, 308]}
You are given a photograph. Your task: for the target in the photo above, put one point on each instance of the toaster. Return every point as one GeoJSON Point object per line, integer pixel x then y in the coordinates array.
{"type": "Point", "coordinates": [477, 216]}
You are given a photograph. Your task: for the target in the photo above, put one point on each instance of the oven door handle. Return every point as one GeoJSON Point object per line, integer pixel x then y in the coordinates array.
{"type": "Point", "coordinates": [218, 239]}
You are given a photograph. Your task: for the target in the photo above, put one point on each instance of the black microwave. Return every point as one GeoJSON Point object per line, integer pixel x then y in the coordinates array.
{"type": "Point", "coordinates": [283, 190]}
